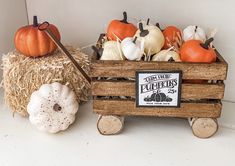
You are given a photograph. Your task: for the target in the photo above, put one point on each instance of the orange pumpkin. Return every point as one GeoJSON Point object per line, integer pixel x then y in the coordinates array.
{"type": "Point", "coordinates": [172, 36]}
{"type": "Point", "coordinates": [120, 29]}
{"type": "Point", "coordinates": [35, 43]}
{"type": "Point", "coordinates": [197, 51]}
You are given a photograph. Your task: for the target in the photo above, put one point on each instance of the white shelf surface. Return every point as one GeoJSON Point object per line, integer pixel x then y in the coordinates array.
{"type": "Point", "coordinates": [145, 141]}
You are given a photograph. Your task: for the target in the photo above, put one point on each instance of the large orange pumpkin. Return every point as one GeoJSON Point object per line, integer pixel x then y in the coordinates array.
{"type": "Point", "coordinates": [35, 43]}
{"type": "Point", "coordinates": [120, 29]}
{"type": "Point", "coordinates": [197, 51]}
{"type": "Point", "coordinates": [172, 36]}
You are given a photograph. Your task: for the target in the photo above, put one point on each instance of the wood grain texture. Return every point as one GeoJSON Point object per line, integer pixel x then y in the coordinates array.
{"type": "Point", "coordinates": [212, 71]}
{"type": "Point", "coordinates": [127, 88]}
{"type": "Point", "coordinates": [127, 107]}
{"type": "Point", "coordinates": [110, 125]}
{"type": "Point", "coordinates": [203, 127]}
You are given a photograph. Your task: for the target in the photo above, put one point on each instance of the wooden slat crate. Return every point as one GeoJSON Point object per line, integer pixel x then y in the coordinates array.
{"type": "Point", "coordinates": [200, 102]}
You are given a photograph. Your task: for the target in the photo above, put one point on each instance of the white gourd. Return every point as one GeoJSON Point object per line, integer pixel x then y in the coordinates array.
{"type": "Point", "coordinates": [153, 38]}
{"type": "Point", "coordinates": [112, 51]}
{"type": "Point", "coordinates": [194, 32]}
{"type": "Point", "coordinates": [167, 55]}
{"type": "Point", "coordinates": [132, 49]}
{"type": "Point", "coordinates": [52, 108]}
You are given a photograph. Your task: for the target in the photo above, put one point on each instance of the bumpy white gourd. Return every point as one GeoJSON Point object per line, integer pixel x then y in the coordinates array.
{"type": "Point", "coordinates": [52, 108]}
{"type": "Point", "coordinates": [194, 32]}
{"type": "Point", "coordinates": [153, 38]}
{"type": "Point", "coordinates": [132, 49]}
{"type": "Point", "coordinates": [166, 55]}
{"type": "Point", "coordinates": [112, 51]}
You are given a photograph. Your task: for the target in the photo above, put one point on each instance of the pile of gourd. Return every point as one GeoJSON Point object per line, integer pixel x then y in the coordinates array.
{"type": "Point", "coordinates": [149, 42]}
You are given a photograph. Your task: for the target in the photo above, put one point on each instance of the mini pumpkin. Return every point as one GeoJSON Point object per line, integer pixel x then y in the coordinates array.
{"type": "Point", "coordinates": [131, 49]}
{"type": "Point", "coordinates": [167, 55]}
{"type": "Point", "coordinates": [52, 108]}
{"type": "Point", "coordinates": [173, 37]}
{"type": "Point", "coordinates": [34, 43]}
{"type": "Point", "coordinates": [194, 32]}
{"type": "Point", "coordinates": [152, 37]}
{"type": "Point", "coordinates": [111, 50]}
{"type": "Point", "coordinates": [120, 29]}
{"type": "Point", "coordinates": [197, 51]}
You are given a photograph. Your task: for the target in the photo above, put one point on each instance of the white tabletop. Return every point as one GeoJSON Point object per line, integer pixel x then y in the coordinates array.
{"type": "Point", "coordinates": [144, 141]}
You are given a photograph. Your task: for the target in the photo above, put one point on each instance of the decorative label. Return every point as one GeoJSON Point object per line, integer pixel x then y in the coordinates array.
{"type": "Point", "coordinates": [158, 88]}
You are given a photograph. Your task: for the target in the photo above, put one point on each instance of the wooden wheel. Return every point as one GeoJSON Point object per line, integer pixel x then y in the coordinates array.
{"type": "Point", "coordinates": [110, 124]}
{"type": "Point", "coordinates": [203, 127]}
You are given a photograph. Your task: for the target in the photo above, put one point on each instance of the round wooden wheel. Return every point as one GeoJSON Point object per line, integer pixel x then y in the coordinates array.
{"type": "Point", "coordinates": [110, 124]}
{"type": "Point", "coordinates": [203, 127]}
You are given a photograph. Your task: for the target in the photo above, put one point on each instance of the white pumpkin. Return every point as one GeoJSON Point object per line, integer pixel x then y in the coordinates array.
{"type": "Point", "coordinates": [112, 51]}
{"type": "Point", "coordinates": [194, 32]}
{"type": "Point", "coordinates": [167, 55]}
{"type": "Point", "coordinates": [132, 49]}
{"type": "Point", "coordinates": [52, 108]}
{"type": "Point", "coordinates": [152, 37]}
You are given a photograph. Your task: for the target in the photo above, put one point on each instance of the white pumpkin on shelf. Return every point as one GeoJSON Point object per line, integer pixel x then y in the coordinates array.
{"type": "Point", "coordinates": [194, 32]}
{"type": "Point", "coordinates": [112, 51]}
{"type": "Point", "coordinates": [52, 108]}
{"type": "Point", "coordinates": [167, 55]}
{"type": "Point", "coordinates": [152, 37]}
{"type": "Point", "coordinates": [132, 49]}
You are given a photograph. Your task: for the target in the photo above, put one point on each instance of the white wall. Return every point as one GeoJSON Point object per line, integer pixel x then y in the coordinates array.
{"type": "Point", "coordinates": [13, 14]}
{"type": "Point", "coordinates": [80, 22]}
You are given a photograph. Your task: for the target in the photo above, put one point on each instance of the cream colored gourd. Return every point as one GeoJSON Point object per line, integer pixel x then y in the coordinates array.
{"type": "Point", "coordinates": [194, 32]}
{"type": "Point", "coordinates": [152, 37]}
{"type": "Point", "coordinates": [52, 108]}
{"type": "Point", "coordinates": [112, 51]}
{"type": "Point", "coordinates": [132, 49]}
{"type": "Point", "coordinates": [167, 55]}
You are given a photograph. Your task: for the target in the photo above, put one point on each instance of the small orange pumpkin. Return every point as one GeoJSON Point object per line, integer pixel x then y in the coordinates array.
{"type": "Point", "coordinates": [120, 29]}
{"type": "Point", "coordinates": [173, 36]}
{"type": "Point", "coordinates": [35, 43]}
{"type": "Point", "coordinates": [197, 51]}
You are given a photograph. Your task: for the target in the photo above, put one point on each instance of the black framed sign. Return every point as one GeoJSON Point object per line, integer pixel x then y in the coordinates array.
{"type": "Point", "coordinates": [158, 88]}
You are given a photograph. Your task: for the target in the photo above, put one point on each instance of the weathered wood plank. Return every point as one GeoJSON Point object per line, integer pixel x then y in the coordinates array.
{"type": "Point", "coordinates": [127, 88]}
{"type": "Point", "coordinates": [212, 71]}
{"type": "Point", "coordinates": [127, 107]}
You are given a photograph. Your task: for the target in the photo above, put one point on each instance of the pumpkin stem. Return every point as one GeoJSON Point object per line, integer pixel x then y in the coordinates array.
{"type": "Point", "coordinates": [143, 32]}
{"type": "Point", "coordinates": [134, 39]}
{"type": "Point", "coordinates": [124, 18]}
{"type": "Point", "coordinates": [207, 43]}
{"type": "Point", "coordinates": [195, 28]}
{"type": "Point", "coordinates": [171, 59]}
{"type": "Point", "coordinates": [158, 25]}
{"type": "Point", "coordinates": [35, 21]}
{"type": "Point", "coordinates": [57, 107]}
{"type": "Point", "coordinates": [148, 21]}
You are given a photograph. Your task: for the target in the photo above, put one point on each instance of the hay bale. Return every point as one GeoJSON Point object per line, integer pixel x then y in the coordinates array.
{"type": "Point", "coordinates": [23, 75]}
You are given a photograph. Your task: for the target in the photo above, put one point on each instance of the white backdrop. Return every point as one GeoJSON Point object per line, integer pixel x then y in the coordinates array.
{"type": "Point", "coordinates": [12, 15]}
{"type": "Point", "coordinates": [81, 21]}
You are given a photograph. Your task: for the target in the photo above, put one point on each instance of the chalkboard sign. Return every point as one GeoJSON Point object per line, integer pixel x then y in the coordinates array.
{"type": "Point", "coordinates": [158, 88]}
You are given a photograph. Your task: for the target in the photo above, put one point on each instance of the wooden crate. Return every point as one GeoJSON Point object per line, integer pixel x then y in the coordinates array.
{"type": "Point", "coordinates": [199, 101]}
